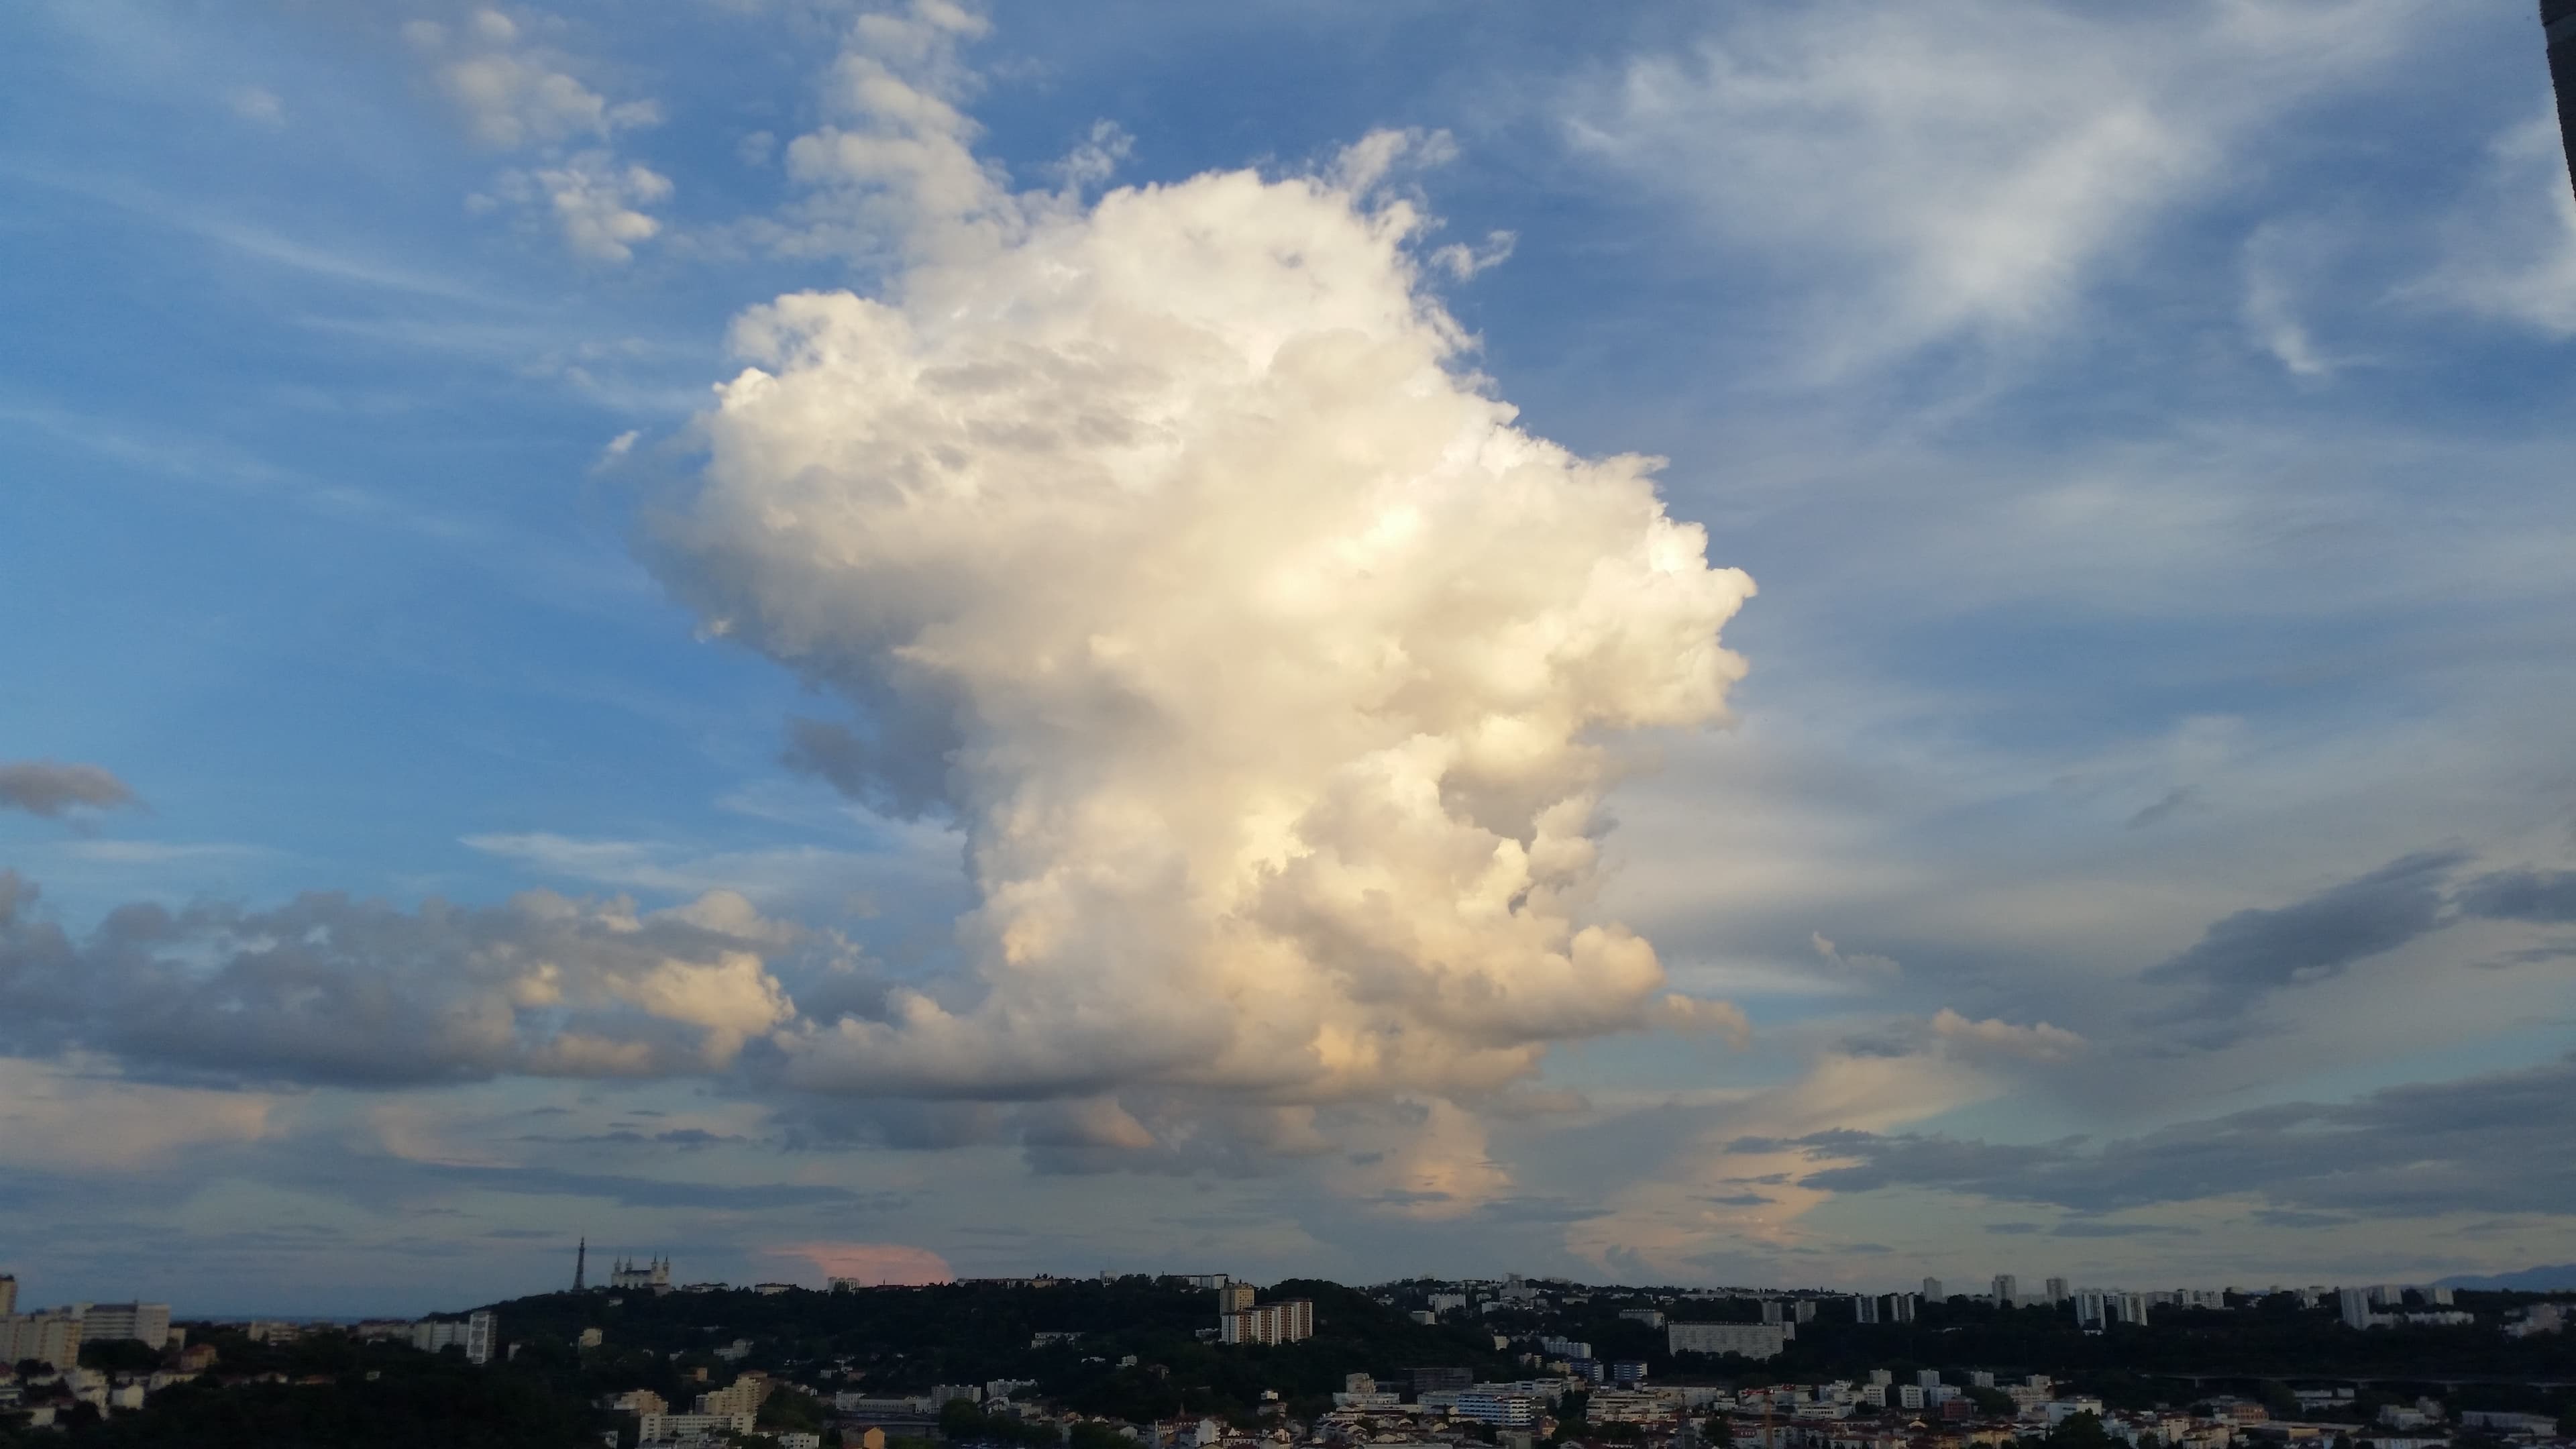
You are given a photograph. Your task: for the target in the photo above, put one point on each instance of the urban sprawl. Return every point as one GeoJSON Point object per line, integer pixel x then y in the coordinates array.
{"type": "Point", "coordinates": [799, 1368]}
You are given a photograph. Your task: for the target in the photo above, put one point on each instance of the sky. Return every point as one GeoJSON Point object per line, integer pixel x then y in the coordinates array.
{"type": "Point", "coordinates": [1796, 644]}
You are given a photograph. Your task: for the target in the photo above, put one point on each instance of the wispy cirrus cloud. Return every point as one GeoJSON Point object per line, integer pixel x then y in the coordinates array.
{"type": "Point", "coordinates": [1965, 169]}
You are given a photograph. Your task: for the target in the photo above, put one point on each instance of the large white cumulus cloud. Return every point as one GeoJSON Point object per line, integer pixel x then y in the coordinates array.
{"type": "Point", "coordinates": [1265, 663]}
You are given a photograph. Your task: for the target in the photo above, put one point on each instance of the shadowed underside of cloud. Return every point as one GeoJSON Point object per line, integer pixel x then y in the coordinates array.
{"type": "Point", "coordinates": [2500, 1143]}
{"type": "Point", "coordinates": [333, 990]}
{"type": "Point", "coordinates": [2246, 957]}
{"type": "Point", "coordinates": [2253, 953]}
{"type": "Point", "coordinates": [50, 789]}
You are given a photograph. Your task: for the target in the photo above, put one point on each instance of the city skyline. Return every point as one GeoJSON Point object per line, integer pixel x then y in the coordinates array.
{"type": "Point", "coordinates": [1782, 643]}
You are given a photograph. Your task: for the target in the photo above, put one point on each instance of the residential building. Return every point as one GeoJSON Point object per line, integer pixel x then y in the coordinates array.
{"type": "Point", "coordinates": [1932, 1291]}
{"type": "Point", "coordinates": [1654, 1317]}
{"type": "Point", "coordinates": [48, 1338]}
{"type": "Point", "coordinates": [2091, 1306]}
{"type": "Point", "coordinates": [1628, 1373]}
{"type": "Point", "coordinates": [1207, 1280]}
{"type": "Point", "coordinates": [1625, 1406]}
{"type": "Point", "coordinates": [1864, 1309]}
{"type": "Point", "coordinates": [1438, 1379]}
{"type": "Point", "coordinates": [1909, 1396]}
{"type": "Point", "coordinates": [944, 1394]}
{"type": "Point", "coordinates": [2355, 1304]}
{"type": "Point", "coordinates": [474, 1335]}
{"type": "Point", "coordinates": [8, 1294]}
{"type": "Point", "coordinates": [1448, 1303]}
{"type": "Point", "coordinates": [771, 1290]}
{"type": "Point", "coordinates": [665, 1427]}
{"type": "Point", "coordinates": [1927, 1378]}
{"type": "Point", "coordinates": [1286, 1321]}
{"type": "Point", "coordinates": [145, 1323]}
{"type": "Point", "coordinates": [1510, 1411]}
{"type": "Point", "coordinates": [744, 1395]}
{"type": "Point", "coordinates": [1565, 1348]}
{"type": "Point", "coordinates": [2056, 1291]}
{"type": "Point", "coordinates": [2007, 1290]}
{"type": "Point", "coordinates": [1234, 1297]}
{"type": "Point", "coordinates": [1752, 1340]}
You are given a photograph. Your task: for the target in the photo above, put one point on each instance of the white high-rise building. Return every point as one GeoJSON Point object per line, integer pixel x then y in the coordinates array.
{"type": "Point", "coordinates": [1753, 1340]}
{"type": "Point", "coordinates": [1864, 1309]}
{"type": "Point", "coordinates": [2007, 1290]}
{"type": "Point", "coordinates": [2355, 1303]}
{"type": "Point", "coordinates": [145, 1323]}
{"type": "Point", "coordinates": [2056, 1291]}
{"type": "Point", "coordinates": [1282, 1322]}
{"type": "Point", "coordinates": [1932, 1291]}
{"type": "Point", "coordinates": [49, 1338]}
{"type": "Point", "coordinates": [474, 1335]}
{"type": "Point", "coordinates": [2089, 1307]}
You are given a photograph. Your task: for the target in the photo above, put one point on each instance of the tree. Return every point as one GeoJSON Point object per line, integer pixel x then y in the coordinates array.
{"type": "Point", "coordinates": [960, 1419]}
{"type": "Point", "coordinates": [2079, 1431]}
{"type": "Point", "coordinates": [1094, 1434]}
{"type": "Point", "coordinates": [1718, 1432]}
{"type": "Point", "coordinates": [1994, 1403]}
{"type": "Point", "coordinates": [120, 1355]}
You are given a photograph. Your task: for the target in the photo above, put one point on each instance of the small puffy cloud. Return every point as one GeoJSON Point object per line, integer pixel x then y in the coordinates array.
{"type": "Point", "coordinates": [513, 95]}
{"type": "Point", "coordinates": [52, 789]}
{"type": "Point", "coordinates": [327, 989]}
{"type": "Point", "coordinates": [1462, 261]}
{"type": "Point", "coordinates": [1856, 963]}
{"type": "Point", "coordinates": [516, 94]}
{"type": "Point", "coordinates": [1994, 1037]}
{"type": "Point", "coordinates": [258, 105]}
{"type": "Point", "coordinates": [595, 201]}
{"type": "Point", "coordinates": [1680, 1013]}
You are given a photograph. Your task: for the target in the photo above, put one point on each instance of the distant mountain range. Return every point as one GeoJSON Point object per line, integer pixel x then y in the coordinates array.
{"type": "Point", "coordinates": [2529, 1280]}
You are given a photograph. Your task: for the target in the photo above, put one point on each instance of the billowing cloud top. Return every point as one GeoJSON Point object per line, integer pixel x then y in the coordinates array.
{"type": "Point", "coordinates": [1266, 664]}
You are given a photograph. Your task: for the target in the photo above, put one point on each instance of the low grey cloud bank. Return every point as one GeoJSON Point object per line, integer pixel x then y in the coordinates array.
{"type": "Point", "coordinates": [51, 789]}
{"type": "Point", "coordinates": [333, 990]}
{"type": "Point", "coordinates": [2407, 1151]}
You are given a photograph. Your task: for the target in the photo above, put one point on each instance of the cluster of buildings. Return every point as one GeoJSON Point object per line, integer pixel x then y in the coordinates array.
{"type": "Point", "coordinates": [710, 1418]}
{"type": "Point", "coordinates": [54, 1336]}
{"type": "Point", "coordinates": [2384, 1306]}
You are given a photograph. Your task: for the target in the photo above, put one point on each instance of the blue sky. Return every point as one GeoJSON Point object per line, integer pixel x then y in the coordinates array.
{"type": "Point", "coordinates": [2148, 435]}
